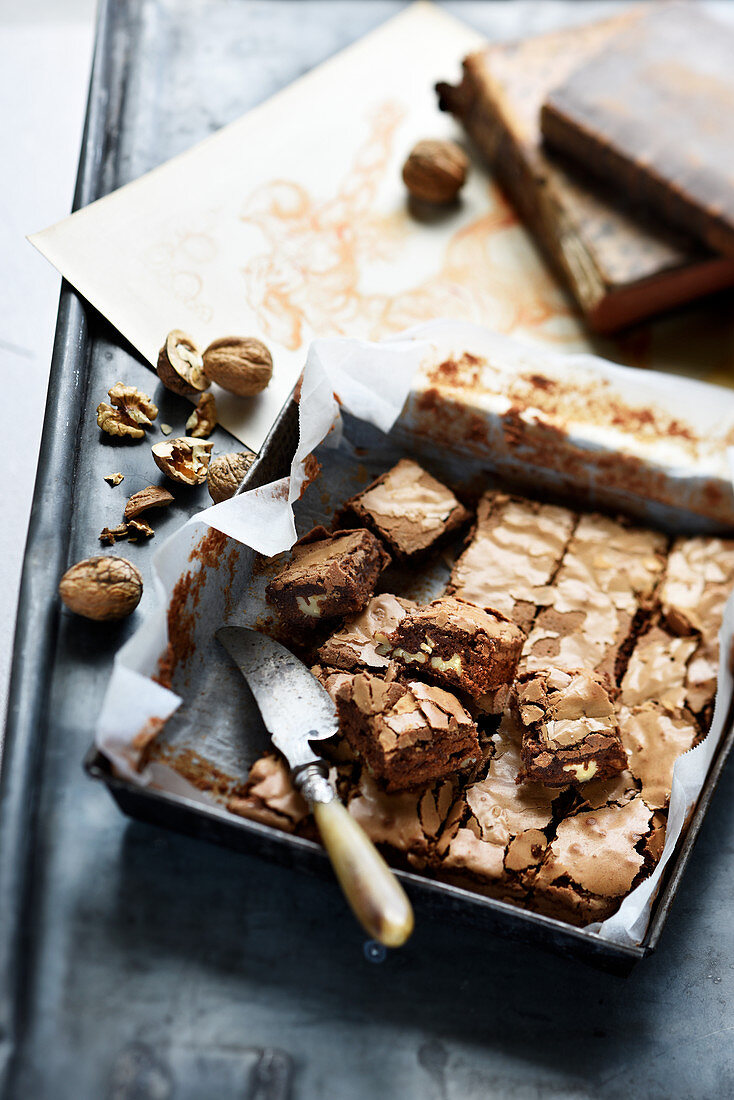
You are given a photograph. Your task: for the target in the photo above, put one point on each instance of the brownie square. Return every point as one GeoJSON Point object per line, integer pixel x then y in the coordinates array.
{"type": "Point", "coordinates": [407, 733]}
{"type": "Point", "coordinates": [408, 509]}
{"type": "Point", "coordinates": [570, 728]}
{"type": "Point", "coordinates": [356, 644]}
{"type": "Point", "coordinates": [458, 644]}
{"type": "Point", "coordinates": [328, 576]}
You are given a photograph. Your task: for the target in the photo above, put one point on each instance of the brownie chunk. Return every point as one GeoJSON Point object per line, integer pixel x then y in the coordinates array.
{"type": "Point", "coordinates": [570, 728]}
{"type": "Point", "coordinates": [699, 577]}
{"type": "Point", "coordinates": [356, 644]}
{"type": "Point", "coordinates": [592, 863]}
{"type": "Point", "coordinates": [407, 733]}
{"type": "Point", "coordinates": [513, 553]}
{"type": "Point", "coordinates": [608, 572]}
{"type": "Point", "coordinates": [327, 576]}
{"type": "Point", "coordinates": [409, 509]}
{"type": "Point", "coordinates": [458, 644]}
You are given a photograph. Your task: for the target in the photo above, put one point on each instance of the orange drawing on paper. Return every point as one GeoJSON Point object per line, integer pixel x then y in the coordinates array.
{"type": "Point", "coordinates": [307, 280]}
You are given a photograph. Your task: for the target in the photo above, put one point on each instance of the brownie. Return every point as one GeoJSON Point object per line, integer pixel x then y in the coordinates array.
{"type": "Point", "coordinates": [656, 724]}
{"type": "Point", "coordinates": [498, 835]}
{"type": "Point", "coordinates": [592, 862]}
{"type": "Point", "coordinates": [404, 824]}
{"type": "Point", "coordinates": [355, 645]}
{"type": "Point", "coordinates": [458, 644]}
{"type": "Point", "coordinates": [328, 576]}
{"type": "Point", "coordinates": [407, 733]}
{"type": "Point", "coordinates": [607, 576]}
{"type": "Point", "coordinates": [699, 577]}
{"type": "Point", "coordinates": [270, 796]}
{"type": "Point", "coordinates": [512, 555]}
{"type": "Point", "coordinates": [408, 509]}
{"type": "Point", "coordinates": [570, 728]}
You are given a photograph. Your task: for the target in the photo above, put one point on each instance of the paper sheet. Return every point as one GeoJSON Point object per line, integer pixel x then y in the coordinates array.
{"type": "Point", "coordinates": [293, 224]}
{"type": "Point", "coordinates": [263, 520]}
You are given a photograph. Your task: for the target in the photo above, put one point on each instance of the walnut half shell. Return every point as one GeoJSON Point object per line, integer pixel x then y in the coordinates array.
{"type": "Point", "coordinates": [226, 472]}
{"type": "Point", "coordinates": [154, 496]}
{"type": "Point", "coordinates": [103, 588]}
{"type": "Point", "coordinates": [180, 365]}
{"type": "Point", "coordinates": [184, 459]}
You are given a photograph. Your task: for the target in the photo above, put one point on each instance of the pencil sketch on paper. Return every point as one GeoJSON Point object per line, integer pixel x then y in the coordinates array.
{"type": "Point", "coordinates": [307, 280]}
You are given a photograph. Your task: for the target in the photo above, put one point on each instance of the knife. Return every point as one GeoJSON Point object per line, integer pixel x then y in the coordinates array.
{"type": "Point", "coordinates": [297, 710]}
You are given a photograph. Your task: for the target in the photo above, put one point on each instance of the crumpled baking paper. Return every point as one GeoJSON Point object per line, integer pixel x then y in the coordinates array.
{"type": "Point", "coordinates": [374, 383]}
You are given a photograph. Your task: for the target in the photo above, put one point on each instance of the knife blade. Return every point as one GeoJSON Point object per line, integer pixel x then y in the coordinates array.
{"type": "Point", "coordinates": [297, 710]}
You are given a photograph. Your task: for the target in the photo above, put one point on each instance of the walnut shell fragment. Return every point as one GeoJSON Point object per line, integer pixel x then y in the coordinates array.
{"type": "Point", "coordinates": [184, 459]}
{"type": "Point", "coordinates": [102, 588]}
{"type": "Point", "coordinates": [240, 364]}
{"type": "Point", "coordinates": [113, 479]}
{"type": "Point", "coordinates": [180, 366]}
{"type": "Point", "coordinates": [226, 473]}
{"type": "Point", "coordinates": [154, 496]}
{"type": "Point", "coordinates": [203, 419]}
{"type": "Point", "coordinates": [435, 171]}
{"type": "Point", "coordinates": [139, 529]}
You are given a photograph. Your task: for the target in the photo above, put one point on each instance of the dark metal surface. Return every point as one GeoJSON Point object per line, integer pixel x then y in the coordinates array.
{"type": "Point", "coordinates": [136, 963]}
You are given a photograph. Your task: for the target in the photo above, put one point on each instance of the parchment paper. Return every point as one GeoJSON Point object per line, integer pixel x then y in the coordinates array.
{"type": "Point", "coordinates": [373, 383]}
{"type": "Point", "coordinates": [292, 223]}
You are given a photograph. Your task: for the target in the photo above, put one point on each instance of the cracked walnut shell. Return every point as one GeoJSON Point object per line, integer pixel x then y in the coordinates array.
{"type": "Point", "coordinates": [226, 472]}
{"type": "Point", "coordinates": [103, 588]}
{"type": "Point", "coordinates": [435, 171]}
{"type": "Point", "coordinates": [184, 459]}
{"type": "Point", "coordinates": [203, 419]}
{"type": "Point", "coordinates": [239, 364]}
{"type": "Point", "coordinates": [180, 365]}
{"type": "Point", "coordinates": [154, 496]}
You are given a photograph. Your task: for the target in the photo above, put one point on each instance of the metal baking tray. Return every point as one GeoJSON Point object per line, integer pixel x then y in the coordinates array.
{"type": "Point", "coordinates": [429, 896]}
{"type": "Point", "coordinates": [133, 960]}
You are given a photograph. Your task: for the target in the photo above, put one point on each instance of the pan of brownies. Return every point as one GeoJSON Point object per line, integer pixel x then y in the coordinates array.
{"type": "Point", "coordinates": [515, 672]}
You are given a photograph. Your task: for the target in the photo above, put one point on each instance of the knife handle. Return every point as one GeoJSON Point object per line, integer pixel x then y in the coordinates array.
{"type": "Point", "coordinates": [375, 896]}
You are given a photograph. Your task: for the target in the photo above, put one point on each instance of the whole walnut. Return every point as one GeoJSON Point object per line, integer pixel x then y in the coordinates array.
{"type": "Point", "coordinates": [240, 364]}
{"type": "Point", "coordinates": [435, 171]}
{"type": "Point", "coordinates": [226, 472]}
{"type": "Point", "coordinates": [102, 588]}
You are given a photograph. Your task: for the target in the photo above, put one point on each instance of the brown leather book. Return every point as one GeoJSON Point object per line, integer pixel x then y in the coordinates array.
{"type": "Point", "coordinates": [653, 111]}
{"type": "Point", "coordinates": [619, 268]}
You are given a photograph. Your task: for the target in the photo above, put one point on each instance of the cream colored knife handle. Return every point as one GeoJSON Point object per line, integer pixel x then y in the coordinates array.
{"type": "Point", "coordinates": [377, 899]}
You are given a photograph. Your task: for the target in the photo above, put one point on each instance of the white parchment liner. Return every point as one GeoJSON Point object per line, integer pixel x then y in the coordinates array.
{"type": "Point", "coordinates": [373, 382]}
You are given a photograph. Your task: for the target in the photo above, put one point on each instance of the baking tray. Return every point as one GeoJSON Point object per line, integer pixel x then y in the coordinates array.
{"type": "Point", "coordinates": [136, 963]}
{"type": "Point", "coordinates": [429, 896]}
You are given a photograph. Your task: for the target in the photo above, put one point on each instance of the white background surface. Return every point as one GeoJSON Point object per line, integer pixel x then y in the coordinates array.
{"type": "Point", "coordinates": [45, 55]}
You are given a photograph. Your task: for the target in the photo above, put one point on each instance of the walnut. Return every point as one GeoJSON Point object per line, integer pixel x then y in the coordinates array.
{"type": "Point", "coordinates": [139, 529]}
{"type": "Point", "coordinates": [435, 171]}
{"type": "Point", "coordinates": [102, 588]}
{"type": "Point", "coordinates": [166, 429]}
{"type": "Point", "coordinates": [153, 497]}
{"type": "Point", "coordinates": [184, 459]}
{"type": "Point", "coordinates": [226, 472]}
{"type": "Point", "coordinates": [180, 365]}
{"type": "Point", "coordinates": [111, 535]}
{"type": "Point", "coordinates": [203, 419]}
{"type": "Point", "coordinates": [130, 412]}
{"type": "Point", "coordinates": [113, 479]}
{"type": "Point", "coordinates": [239, 364]}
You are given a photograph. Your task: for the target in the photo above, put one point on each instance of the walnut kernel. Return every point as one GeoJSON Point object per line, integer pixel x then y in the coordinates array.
{"type": "Point", "coordinates": [239, 364]}
{"type": "Point", "coordinates": [110, 535]}
{"type": "Point", "coordinates": [139, 529]}
{"type": "Point", "coordinates": [130, 412]}
{"type": "Point", "coordinates": [203, 419]}
{"type": "Point", "coordinates": [180, 366]}
{"type": "Point", "coordinates": [435, 171]}
{"type": "Point", "coordinates": [226, 472]}
{"type": "Point", "coordinates": [102, 588]}
{"type": "Point", "coordinates": [113, 479]}
{"type": "Point", "coordinates": [115, 422]}
{"type": "Point", "coordinates": [184, 459]}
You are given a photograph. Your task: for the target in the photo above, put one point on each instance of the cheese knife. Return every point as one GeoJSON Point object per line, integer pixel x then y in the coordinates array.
{"type": "Point", "coordinates": [297, 710]}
